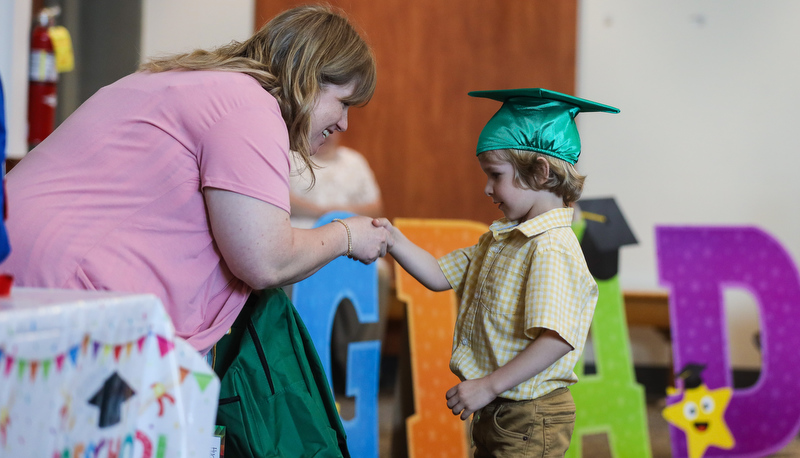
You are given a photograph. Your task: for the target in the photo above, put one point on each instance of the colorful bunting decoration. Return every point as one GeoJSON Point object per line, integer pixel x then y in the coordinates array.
{"type": "Point", "coordinates": [31, 366]}
{"type": "Point", "coordinates": [85, 343]}
{"type": "Point", "coordinates": [9, 364]}
{"type": "Point", "coordinates": [184, 372]}
{"type": "Point", "coordinates": [5, 420]}
{"type": "Point", "coordinates": [165, 345]}
{"type": "Point", "coordinates": [202, 379]}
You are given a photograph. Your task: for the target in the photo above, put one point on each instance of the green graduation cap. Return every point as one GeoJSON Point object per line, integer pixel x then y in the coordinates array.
{"type": "Point", "coordinates": [536, 120]}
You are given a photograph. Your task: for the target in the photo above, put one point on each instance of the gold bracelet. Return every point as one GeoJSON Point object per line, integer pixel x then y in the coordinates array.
{"type": "Point", "coordinates": [349, 237]}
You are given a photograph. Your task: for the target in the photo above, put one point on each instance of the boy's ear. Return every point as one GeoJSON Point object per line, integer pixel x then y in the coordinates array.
{"type": "Point", "coordinates": [543, 171]}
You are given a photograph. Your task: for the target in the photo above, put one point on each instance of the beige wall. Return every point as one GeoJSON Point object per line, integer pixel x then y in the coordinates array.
{"type": "Point", "coordinates": [184, 25]}
{"type": "Point", "coordinates": [708, 129]}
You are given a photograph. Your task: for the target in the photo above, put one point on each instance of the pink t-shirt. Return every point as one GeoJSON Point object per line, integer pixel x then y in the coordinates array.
{"type": "Point", "coordinates": [112, 200]}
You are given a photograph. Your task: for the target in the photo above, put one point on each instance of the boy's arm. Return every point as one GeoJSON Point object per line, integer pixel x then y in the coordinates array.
{"type": "Point", "coordinates": [419, 263]}
{"type": "Point", "coordinates": [471, 395]}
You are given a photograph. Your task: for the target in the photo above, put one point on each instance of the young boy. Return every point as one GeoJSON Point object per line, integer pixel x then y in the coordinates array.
{"type": "Point", "coordinates": [526, 297]}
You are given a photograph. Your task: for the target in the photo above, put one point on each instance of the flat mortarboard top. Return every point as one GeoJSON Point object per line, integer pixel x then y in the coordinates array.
{"type": "Point", "coordinates": [536, 120]}
{"type": "Point", "coordinates": [109, 399]}
{"type": "Point", "coordinates": [690, 375]}
{"type": "Point", "coordinates": [606, 232]}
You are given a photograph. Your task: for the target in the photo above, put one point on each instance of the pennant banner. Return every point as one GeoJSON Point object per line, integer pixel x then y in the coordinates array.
{"type": "Point", "coordinates": [32, 366]}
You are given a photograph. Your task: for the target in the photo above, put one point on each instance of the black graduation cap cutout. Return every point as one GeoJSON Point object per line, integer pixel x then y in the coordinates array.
{"type": "Point", "coordinates": [690, 375]}
{"type": "Point", "coordinates": [109, 399]}
{"type": "Point", "coordinates": [606, 232]}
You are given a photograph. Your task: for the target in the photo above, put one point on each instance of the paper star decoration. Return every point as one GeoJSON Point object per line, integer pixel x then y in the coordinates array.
{"type": "Point", "coordinates": [701, 416]}
{"type": "Point", "coordinates": [160, 392]}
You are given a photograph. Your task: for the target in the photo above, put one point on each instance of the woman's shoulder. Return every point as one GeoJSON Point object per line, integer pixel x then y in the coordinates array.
{"type": "Point", "coordinates": [201, 84]}
{"type": "Point", "coordinates": [194, 101]}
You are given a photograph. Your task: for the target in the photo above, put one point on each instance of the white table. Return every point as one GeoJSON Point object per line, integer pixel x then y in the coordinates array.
{"type": "Point", "coordinates": [99, 373]}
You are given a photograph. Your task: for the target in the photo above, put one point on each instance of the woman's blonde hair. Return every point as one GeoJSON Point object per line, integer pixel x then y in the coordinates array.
{"type": "Point", "coordinates": [563, 180]}
{"type": "Point", "coordinates": [293, 56]}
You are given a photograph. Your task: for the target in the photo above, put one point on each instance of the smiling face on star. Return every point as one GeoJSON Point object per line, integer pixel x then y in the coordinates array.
{"type": "Point", "coordinates": [701, 415]}
{"type": "Point", "coordinates": [329, 113]}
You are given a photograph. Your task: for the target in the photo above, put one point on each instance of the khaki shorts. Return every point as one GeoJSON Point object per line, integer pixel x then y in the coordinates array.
{"type": "Point", "coordinates": [540, 427]}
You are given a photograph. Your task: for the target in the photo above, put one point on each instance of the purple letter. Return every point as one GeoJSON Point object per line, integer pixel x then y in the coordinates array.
{"type": "Point", "coordinates": [696, 263]}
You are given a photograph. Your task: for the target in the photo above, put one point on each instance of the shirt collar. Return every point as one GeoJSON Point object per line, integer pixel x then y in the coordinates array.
{"type": "Point", "coordinates": [559, 217]}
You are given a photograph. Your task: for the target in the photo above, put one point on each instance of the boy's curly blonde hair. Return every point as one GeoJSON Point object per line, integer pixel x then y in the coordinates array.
{"type": "Point", "coordinates": [563, 180]}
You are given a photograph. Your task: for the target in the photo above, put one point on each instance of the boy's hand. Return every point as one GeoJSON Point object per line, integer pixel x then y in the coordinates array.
{"type": "Point", "coordinates": [469, 396]}
{"type": "Point", "coordinates": [415, 260]}
{"type": "Point", "coordinates": [386, 224]}
{"type": "Point", "coordinates": [369, 242]}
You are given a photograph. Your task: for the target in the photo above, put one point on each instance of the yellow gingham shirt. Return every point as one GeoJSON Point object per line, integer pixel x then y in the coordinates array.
{"type": "Point", "coordinates": [517, 281]}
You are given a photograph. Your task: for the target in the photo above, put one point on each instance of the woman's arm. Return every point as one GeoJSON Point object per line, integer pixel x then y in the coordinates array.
{"type": "Point", "coordinates": [261, 247]}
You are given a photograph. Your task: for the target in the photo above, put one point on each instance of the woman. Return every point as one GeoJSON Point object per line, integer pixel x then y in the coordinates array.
{"type": "Point", "coordinates": [174, 180]}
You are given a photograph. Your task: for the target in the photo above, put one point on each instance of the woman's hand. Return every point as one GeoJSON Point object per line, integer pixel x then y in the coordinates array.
{"type": "Point", "coordinates": [369, 241]}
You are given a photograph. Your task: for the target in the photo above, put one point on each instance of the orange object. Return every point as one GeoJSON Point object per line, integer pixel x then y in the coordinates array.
{"type": "Point", "coordinates": [433, 430]}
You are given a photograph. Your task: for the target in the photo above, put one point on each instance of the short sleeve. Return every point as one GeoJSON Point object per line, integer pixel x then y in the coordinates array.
{"type": "Point", "coordinates": [454, 266]}
{"type": "Point", "coordinates": [554, 295]}
{"type": "Point", "coordinates": [247, 152]}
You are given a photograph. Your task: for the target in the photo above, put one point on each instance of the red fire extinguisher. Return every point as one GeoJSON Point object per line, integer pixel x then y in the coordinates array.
{"type": "Point", "coordinates": [42, 89]}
